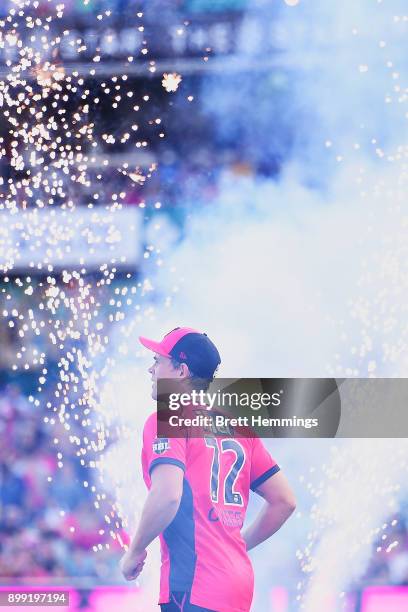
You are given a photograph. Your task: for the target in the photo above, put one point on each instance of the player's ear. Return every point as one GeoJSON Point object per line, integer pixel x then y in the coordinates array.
{"type": "Point", "coordinates": [184, 371]}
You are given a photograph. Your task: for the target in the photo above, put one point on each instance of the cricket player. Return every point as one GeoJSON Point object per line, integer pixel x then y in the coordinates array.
{"type": "Point", "coordinates": [198, 490]}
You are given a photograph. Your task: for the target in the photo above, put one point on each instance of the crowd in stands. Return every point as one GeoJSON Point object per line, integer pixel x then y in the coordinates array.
{"type": "Point", "coordinates": [49, 524]}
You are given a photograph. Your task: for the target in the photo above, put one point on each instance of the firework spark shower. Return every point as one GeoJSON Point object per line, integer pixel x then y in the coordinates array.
{"type": "Point", "coordinates": [50, 110]}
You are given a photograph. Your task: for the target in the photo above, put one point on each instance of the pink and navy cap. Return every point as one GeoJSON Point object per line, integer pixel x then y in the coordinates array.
{"type": "Point", "coordinates": [189, 346]}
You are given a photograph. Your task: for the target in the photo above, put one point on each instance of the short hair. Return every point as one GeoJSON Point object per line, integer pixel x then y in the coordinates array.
{"type": "Point", "coordinates": [197, 383]}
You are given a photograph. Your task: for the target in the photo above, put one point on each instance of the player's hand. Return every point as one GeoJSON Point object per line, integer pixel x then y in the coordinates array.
{"type": "Point", "coordinates": [132, 564]}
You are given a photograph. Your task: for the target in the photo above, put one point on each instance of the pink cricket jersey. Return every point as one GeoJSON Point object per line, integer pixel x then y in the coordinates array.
{"type": "Point", "coordinates": [202, 549]}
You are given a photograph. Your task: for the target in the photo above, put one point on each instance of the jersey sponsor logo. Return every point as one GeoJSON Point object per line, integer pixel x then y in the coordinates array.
{"type": "Point", "coordinates": [161, 445]}
{"type": "Point", "coordinates": [229, 518]}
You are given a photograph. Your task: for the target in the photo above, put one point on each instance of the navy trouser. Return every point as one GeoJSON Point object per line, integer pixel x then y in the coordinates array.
{"type": "Point", "coordinates": [180, 602]}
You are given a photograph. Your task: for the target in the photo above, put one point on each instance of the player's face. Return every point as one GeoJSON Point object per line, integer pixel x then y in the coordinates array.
{"type": "Point", "coordinates": [162, 368]}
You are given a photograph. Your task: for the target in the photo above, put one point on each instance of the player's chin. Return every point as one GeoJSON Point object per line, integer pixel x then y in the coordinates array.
{"type": "Point", "coordinates": [154, 392]}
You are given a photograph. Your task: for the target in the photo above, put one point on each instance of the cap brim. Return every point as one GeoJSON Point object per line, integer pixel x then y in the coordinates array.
{"type": "Point", "coordinates": [154, 346]}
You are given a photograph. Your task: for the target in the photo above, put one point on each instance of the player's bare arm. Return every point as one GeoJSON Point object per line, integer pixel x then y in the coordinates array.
{"type": "Point", "coordinates": [159, 510]}
{"type": "Point", "coordinates": [279, 504]}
